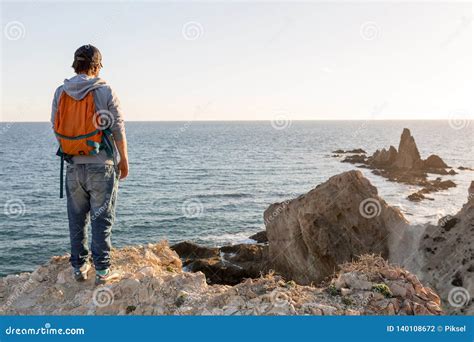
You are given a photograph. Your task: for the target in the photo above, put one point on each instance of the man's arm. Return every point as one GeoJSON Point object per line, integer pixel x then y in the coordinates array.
{"type": "Point", "coordinates": [123, 164]}
{"type": "Point", "coordinates": [118, 131]}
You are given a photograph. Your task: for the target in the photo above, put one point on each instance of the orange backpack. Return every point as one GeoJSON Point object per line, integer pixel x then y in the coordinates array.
{"type": "Point", "coordinates": [79, 129]}
{"type": "Point", "coordinates": [75, 126]}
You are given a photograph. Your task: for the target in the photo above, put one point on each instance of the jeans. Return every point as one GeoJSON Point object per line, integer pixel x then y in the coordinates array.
{"type": "Point", "coordinates": [91, 191]}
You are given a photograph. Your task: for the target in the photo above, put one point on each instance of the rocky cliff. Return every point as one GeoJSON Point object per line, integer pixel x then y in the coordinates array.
{"type": "Point", "coordinates": [331, 224]}
{"type": "Point", "coordinates": [448, 250]}
{"type": "Point", "coordinates": [152, 282]}
{"type": "Point", "coordinates": [344, 217]}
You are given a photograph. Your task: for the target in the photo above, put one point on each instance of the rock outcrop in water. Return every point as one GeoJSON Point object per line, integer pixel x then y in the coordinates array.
{"type": "Point", "coordinates": [407, 156]}
{"type": "Point", "coordinates": [448, 250]}
{"type": "Point", "coordinates": [152, 282]}
{"type": "Point", "coordinates": [405, 165]}
{"type": "Point", "coordinates": [332, 224]}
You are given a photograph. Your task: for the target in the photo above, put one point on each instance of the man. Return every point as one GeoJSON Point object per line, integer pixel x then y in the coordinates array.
{"type": "Point", "coordinates": [89, 126]}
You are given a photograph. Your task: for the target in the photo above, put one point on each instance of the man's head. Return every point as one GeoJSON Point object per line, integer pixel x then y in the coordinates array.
{"type": "Point", "coordinates": [87, 60]}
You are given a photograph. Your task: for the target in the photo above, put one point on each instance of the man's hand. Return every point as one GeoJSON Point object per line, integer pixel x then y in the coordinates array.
{"type": "Point", "coordinates": [123, 164]}
{"type": "Point", "coordinates": [123, 168]}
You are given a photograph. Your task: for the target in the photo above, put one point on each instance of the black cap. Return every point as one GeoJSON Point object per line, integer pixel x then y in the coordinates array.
{"type": "Point", "coordinates": [88, 53]}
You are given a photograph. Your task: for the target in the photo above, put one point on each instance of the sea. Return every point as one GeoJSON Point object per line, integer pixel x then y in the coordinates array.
{"type": "Point", "coordinates": [209, 182]}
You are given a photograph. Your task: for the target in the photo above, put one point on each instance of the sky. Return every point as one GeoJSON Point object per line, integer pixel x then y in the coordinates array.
{"type": "Point", "coordinates": [184, 61]}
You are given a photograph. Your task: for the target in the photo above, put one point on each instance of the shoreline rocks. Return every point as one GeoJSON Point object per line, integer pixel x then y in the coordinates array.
{"type": "Point", "coordinates": [405, 165]}
{"type": "Point", "coordinates": [433, 186]}
{"type": "Point", "coordinates": [260, 237]}
{"type": "Point", "coordinates": [228, 265]}
{"type": "Point", "coordinates": [448, 253]}
{"type": "Point", "coordinates": [326, 254]}
{"type": "Point", "coordinates": [152, 282]}
{"type": "Point", "coordinates": [331, 224]}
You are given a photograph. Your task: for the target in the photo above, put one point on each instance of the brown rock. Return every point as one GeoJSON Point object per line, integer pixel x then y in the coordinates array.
{"type": "Point", "coordinates": [260, 237]}
{"type": "Point", "coordinates": [384, 158]}
{"type": "Point", "coordinates": [434, 162]}
{"type": "Point", "coordinates": [407, 307]}
{"type": "Point", "coordinates": [433, 307]}
{"type": "Point", "coordinates": [355, 159]}
{"type": "Point", "coordinates": [397, 289]}
{"type": "Point", "coordinates": [406, 166]}
{"type": "Point", "coordinates": [432, 296]}
{"type": "Point", "coordinates": [234, 264]}
{"type": "Point", "coordinates": [450, 266]}
{"type": "Point", "coordinates": [447, 222]}
{"type": "Point", "coordinates": [345, 291]}
{"type": "Point", "coordinates": [429, 187]}
{"type": "Point", "coordinates": [418, 197]}
{"type": "Point", "coordinates": [190, 250]}
{"type": "Point", "coordinates": [390, 309]}
{"type": "Point", "coordinates": [354, 151]}
{"type": "Point", "coordinates": [408, 156]}
{"type": "Point", "coordinates": [413, 279]}
{"type": "Point", "coordinates": [420, 310]}
{"type": "Point", "coordinates": [338, 220]}
{"type": "Point", "coordinates": [389, 274]}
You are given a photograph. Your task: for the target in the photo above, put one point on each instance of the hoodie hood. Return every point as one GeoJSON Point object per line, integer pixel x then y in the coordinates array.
{"type": "Point", "coordinates": [80, 85]}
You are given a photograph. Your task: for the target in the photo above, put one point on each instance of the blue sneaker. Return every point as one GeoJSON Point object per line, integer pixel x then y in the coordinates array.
{"type": "Point", "coordinates": [104, 276]}
{"type": "Point", "coordinates": [80, 274]}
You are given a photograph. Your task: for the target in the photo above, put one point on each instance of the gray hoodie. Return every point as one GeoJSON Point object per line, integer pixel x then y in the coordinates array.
{"type": "Point", "coordinates": [105, 100]}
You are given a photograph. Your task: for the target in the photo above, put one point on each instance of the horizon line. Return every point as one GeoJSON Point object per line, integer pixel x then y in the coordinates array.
{"type": "Point", "coordinates": [259, 120]}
